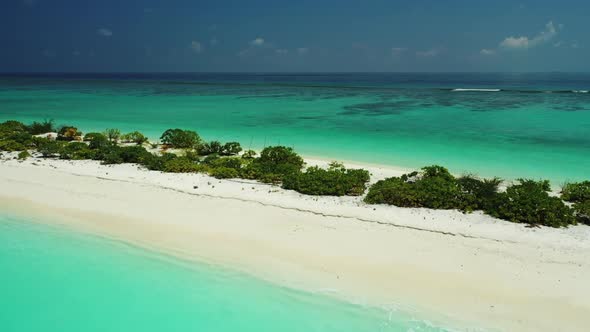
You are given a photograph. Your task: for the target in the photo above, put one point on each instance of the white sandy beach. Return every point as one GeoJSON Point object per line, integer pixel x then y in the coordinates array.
{"type": "Point", "coordinates": [465, 270]}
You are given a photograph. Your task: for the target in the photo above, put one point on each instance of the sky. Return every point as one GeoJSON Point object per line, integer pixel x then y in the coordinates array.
{"type": "Point", "coordinates": [294, 36]}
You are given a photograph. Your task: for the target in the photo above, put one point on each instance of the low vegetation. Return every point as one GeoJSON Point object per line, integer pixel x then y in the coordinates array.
{"type": "Point", "coordinates": [525, 201]}
{"type": "Point", "coordinates": [579, 194]}
{"type": "Point", "coordinates": [334, 181]}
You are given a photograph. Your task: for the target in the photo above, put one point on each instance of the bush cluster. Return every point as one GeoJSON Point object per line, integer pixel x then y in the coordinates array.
{"type": "Point", "coordinates": [335, 181]}
{"type": "Point", "coordinates": [526, 201]}
{"type": "Point", "coordinates": [579, 194]}
{"type": "Point", "coordinates": [181, 139]}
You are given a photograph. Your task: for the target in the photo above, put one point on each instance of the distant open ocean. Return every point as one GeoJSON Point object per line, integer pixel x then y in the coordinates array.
{"type": "Point", "coordinates": [509, 125]}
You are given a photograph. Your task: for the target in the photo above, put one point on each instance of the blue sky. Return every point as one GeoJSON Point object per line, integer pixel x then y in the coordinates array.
{"type": "Point", "coordinates": [301, 35]}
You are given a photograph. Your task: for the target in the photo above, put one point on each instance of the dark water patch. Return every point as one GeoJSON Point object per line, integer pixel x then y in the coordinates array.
{"type": "Point", "coordinates": [381, 108]}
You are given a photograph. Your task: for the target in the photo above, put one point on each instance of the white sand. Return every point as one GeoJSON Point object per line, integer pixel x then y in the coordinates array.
{"type": "Point", "coordinates": [464, 270]}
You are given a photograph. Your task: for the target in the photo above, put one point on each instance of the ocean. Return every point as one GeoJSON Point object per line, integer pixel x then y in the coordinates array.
{"type": "Point", "coordinates": [53, 279]}
{"type": "Point", "coordinates": [489, 124]}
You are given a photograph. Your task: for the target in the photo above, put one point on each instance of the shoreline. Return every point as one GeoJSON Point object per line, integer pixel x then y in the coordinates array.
{"type": "Point", "coordinates": [428, 259]}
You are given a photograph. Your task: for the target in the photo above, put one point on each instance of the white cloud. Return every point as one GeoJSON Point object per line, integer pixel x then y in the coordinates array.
{"type": "Point", "coordinates": [281, 51]}
{"type": "Point", "coordinates": [575, 45]}
{"type": "Point", "coordinates": [196, 47]}
{"type": "Point", "coordinates": [104, 32]}
{"type": "Point", "coordinates": [486, 51]}
{"type": "Point", "coordinates": [523, 42]}
{"type": "Point", "coordinates": [302, 50]}
{"type": "Point", "coordinates": [429, 53]}
{"type": "Point", "coordinates": [257, 42]}
{"type": "Point", "coordinates": [397, 51]}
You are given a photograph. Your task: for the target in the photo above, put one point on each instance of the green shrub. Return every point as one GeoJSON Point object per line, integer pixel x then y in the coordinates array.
{"type": "Point", "coordinates": [50, 148]}
{"type": "Point", "coordinates": [529, 202]}
{"type": "Point", "coordinates": [99, 141]}
{"type": "Point", "coordinates": [68, 133]}
{"type": "Point", "coordinates": [275, 163]}
{"type": "Point", "coordinates": [9, 145]}
{"type": "Point", "coordinates": [111, 157]}
{"type": "Point", "coordinates": [11, 127]}
{"type": "Point", "coordinates": [582, 210]}
{"type": "Point", "coordinates": [234, 163]}
{"type": "Point", "coordinates": [433, 188]}
{"type": "Point", "coordinates": [249, 154]}
{"type": "Point", "coordinates": [134, 137]}
{"type": "Point", "coordinates": [23, 155]}
{"type": "Point", "coordinates": [336, 181]}
{"type": "Point", "coordinates": [133, 154]}
{"type": "Point", "coordinates": [76, 151]}
{"type": "Point", "coordinates": [92, 136]}
{"type": "Point", "coordinates": [182, 165]}
{"type": "Point", "coordinates": [23, 138]}
{"type": "Point", "coordinates": [210, 159]}
{"type": "Point", "coordinates": [182, 139]}
{"type": "Point", "coordinates": [192, 155]}
{"type": "Point", "coordinates": [209, 148]}
{"type": "Point", "coordinates": [231, 149]}
{"type": "Point", "coordinates": [37, 128]}
{"type": "Point", "coordinates": [576, 192]}
{"type": "Point", "coordinates": [112, 134]}
{"type": "Point", "coordinates": [224, 173]}
{"type": "Point", "coordinates": [154, 162]}
{"type": "Point", "coordinates": [479, 194]}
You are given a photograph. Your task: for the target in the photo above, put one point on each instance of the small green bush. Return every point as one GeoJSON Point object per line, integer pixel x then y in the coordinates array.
{"type": "Point", "coordinates": [224, 173]}
{"type": "Point", "coordinates": [209, 148]}
{"type": "Point", "coordinates": [10, 145]}
{"type": "Point", "coordinates": [249, 154]}
{"type": "Point", "coordinates": [479, 194]}
{"type": "Point", "coordinates": [182, 165]}
{"type": "Point", "coordinates": [11, 127]}
{"type": "Point", "coordinates": [92, 136]}
{"type": "Point", "coordinates": [76, 151]}
{"type": "Point", "coordinates": [99, 142]}
{"type": "Point", "coordinates": [576, 192]}
{"type": "Point", "coordinates": [433, 188]}
{"type": "Point", "coordinates": [112, 134]}
{"type": "Point", "coordinates": [234, 163]}
{"type": "Point", "coordinates": [133, 154]}
{"type": "Point", "coordinates": [336, 181]}
{"type": "Point", "coordinates": [182, 139]}
{"type": "Point", "coordinates": [582, 210]}
{"type": "Point", "coordinates": [274, 164]}
{"type": "Point", "coordinates": [23, 155]}
{"type": "Point", "coordinates": [37, 128]}
{"type": "Point", "coordinates": [529, 202]}
{"type": "Point", "coordinates": [231, 149]}
{"type": "Point", "coordinates": [157, 163]}
{"type": "Point", "coordinates": [134, 137]}
{"type": "Point", "coordinates": [50, 148]}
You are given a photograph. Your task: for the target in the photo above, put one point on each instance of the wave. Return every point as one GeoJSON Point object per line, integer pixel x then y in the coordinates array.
{"type": "Point", "coordinates": [515, 90]}
{"type": "Point", "coordinates": [476, 90]}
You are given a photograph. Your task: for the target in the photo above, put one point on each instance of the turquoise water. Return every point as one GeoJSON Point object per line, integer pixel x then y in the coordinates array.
{"type": "Point", "coordinates": [537, 126]}
{"type": "Point", "coordinates": [56, 280]}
